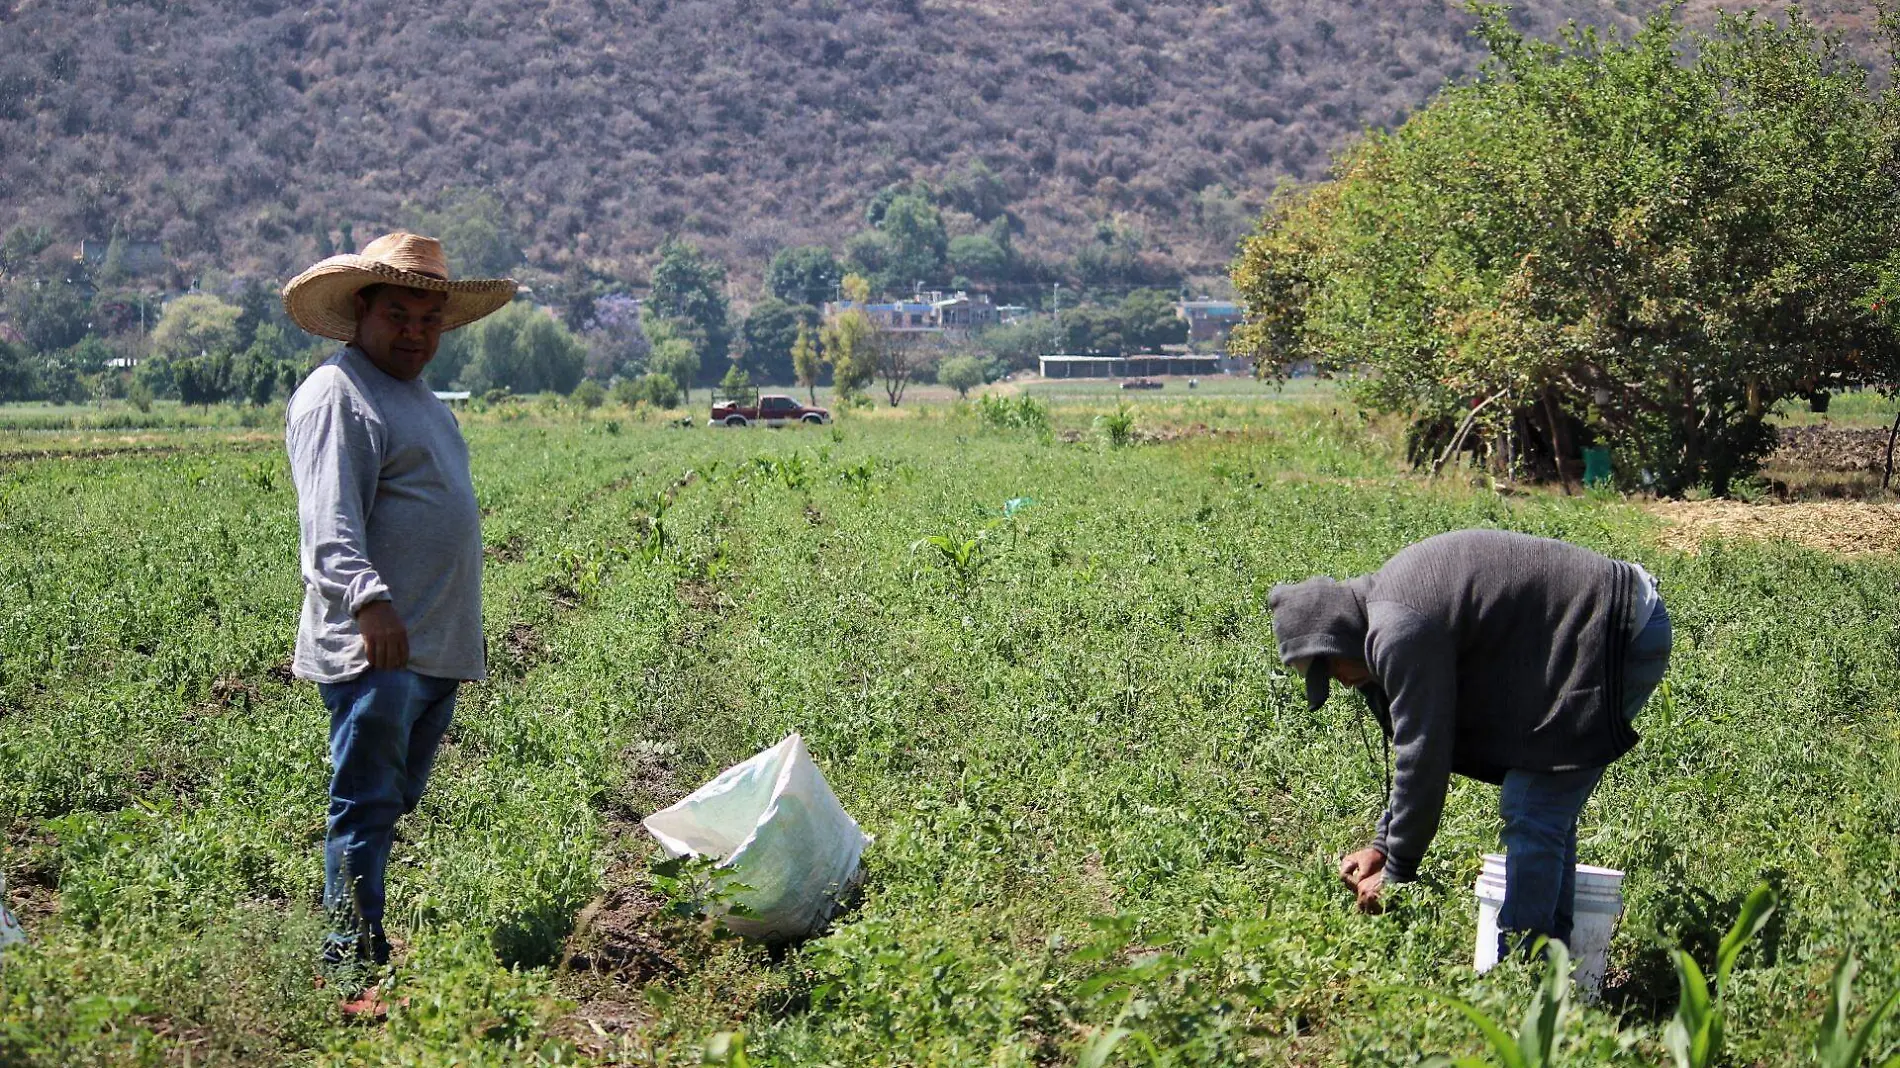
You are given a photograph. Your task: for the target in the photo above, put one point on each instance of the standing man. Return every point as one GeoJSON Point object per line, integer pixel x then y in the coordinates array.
{"type": "Point", "coordinates": [390, 548]}
{"type": "Point", "coordinates": [1516, 660]}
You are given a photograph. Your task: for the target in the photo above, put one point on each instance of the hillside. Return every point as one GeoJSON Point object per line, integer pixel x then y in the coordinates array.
{"type": "Point", "coordinates": [235, 133]}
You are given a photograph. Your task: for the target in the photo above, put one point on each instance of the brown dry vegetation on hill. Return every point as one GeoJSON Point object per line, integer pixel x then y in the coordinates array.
{"type": "Point", "coordinates": [234, 133]}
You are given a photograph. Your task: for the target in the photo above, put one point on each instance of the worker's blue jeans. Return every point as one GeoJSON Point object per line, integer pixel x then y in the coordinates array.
{"type": "Point", "coordinates": [385, 727]}
{"type": "Point", "coordinates": [1540, 810]}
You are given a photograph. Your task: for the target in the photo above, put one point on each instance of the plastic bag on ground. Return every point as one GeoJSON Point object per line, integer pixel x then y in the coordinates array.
{"type": "Point", "coordinates": [774, 824]}
{"type": "Point", "coordinates": [10, 931]}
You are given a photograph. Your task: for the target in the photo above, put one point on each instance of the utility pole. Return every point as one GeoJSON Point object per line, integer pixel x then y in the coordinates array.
{"type": "Point", "coordinates": [1056, 293]}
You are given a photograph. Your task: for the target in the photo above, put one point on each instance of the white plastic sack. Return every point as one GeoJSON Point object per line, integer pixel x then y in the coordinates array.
{"type": "Point", "coordinates": [774, 823]}
{"type": "Point", "coordinates": [10, 931]}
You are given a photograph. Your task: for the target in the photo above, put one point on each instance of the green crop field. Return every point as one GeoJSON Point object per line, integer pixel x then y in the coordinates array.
{"type": "Point", "coordinates": [1097, 801]}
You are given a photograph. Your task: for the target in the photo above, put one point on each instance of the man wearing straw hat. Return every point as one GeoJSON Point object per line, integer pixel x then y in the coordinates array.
{"type": "Point", "coordinates": [1515, 660]}
{"type": "Point", "coordinates": [390, 549]}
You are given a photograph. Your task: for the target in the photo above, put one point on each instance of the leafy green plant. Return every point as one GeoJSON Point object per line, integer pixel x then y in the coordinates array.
{"type": "Point", "coordinates": [1023, 412]}
{"type": "Point", "coordinates": [1535, 1044]}
{"type": "Point", "coordinates": [1118, 427]}
{"type": "Point", "coordinates": [1694, 1036]}
{"type": "Point", "coordinates": [698, 887]}
{"type": "Point", "coordinates": [962, 556]}
{"type": "Point", "coordinates": [1837, 1045]}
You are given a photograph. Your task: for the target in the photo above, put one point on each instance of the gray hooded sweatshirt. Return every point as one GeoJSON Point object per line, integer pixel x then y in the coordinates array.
{"type": "Point", "coordinates": [1490, 652]}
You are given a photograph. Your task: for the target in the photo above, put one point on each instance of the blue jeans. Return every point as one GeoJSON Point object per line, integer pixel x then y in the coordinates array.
{"type": "Point", "coordinates": [385, 727]}
{"type": "Point", "coordinates": [1540, 810]}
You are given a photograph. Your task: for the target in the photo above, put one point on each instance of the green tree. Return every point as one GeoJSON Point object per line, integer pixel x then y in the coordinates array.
{"type": "Point", "coordinates": [588, 394]}
{"type": "Point", "coordinates": [661, 389]}
{"type": "Point", "coordinates": [736, 383]}
{"type": "Point", "coordinates": [17, 380]}
{"type": "Point", "coordinates": [112, 270]}
{"type": "Point", "coordinates": [1655, 239]}
{"type": "Point", "coordinates": [1016, 346]}
{"type": "Point", "coordinates": [961, 373]}
{"type": "Point", "coordinates": [689, 289]}
{"type": "Point", "coordinates": [913, 232]}
{"type": "Point", "coordinates": [22, 246]}
{"type": "Point", "coordinates": [868, 253]}
{"type": "Point", "coordinates": [977, 257]}
{"type": "Point", "coordinates": [804, 275]}
{"type": "Point", "coordinates": [1149, 321]}
{"type": "Point", "coordinates": [204, 380]}
{"type": "Point", "coordinates": [1092, 328]}
{"type": "Point", "coordinates": [197, 324]}
{"type": "Point", "coordinates": [672, 354]}
{"type": "Point", "coordinates": [523, 349]}
{"type": "Point", "coordinates": [807, 361]}
{"type": "Point", "coordinates": [475, 232]}
{"type": "Point", "coordinates": [851, 344]}
{"type": "Point", "coordinates": [50, 314]}
{"type": "Point", "coordinates": [977, 190]}
{"type": "Point", "coordinates": [766, 338]}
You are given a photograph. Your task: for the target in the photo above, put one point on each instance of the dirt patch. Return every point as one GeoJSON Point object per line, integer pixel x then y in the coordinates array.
{"type": "Point", "coordinates": [509, 550]}
{"type": "Point", "coordinates": [621, 934]}
{"type": "Point", "coordinates": [1166, 435]}
{"type": "Point", "coordinates": [703, 596]}
{"type": "Point", "coordinates": [522, 648]}
{"type": "Point", "coordinates": [1849, 528]}
{"type": "Point", "coordinates": [1831, 448]}
{"type": "Point", "coordinates": [32, 871]}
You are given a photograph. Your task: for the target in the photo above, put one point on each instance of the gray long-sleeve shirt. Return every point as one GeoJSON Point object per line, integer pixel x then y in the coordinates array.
{"type": "Point", "coordinates": [386, 511]}
{"type": "Point", "coordinates": [1497, 651]}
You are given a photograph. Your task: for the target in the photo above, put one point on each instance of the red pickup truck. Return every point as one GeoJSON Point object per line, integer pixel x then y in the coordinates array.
{"type": "Point", "coordinates": [772, 409]}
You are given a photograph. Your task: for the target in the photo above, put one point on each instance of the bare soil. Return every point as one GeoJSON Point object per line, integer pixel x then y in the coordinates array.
{"type": "Point", "coordinates": [1832, 448]}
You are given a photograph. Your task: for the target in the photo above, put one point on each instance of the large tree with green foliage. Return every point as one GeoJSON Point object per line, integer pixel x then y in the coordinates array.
{"type": "Point", "coordinates": [51, 314]}
{"type": "Point", "coordinates": [197, 324]}
{"type": "Point", "coordinates": [766, 338]}
{"type": "Point", "coordinates": [689, 290]}
{"type": "Point", "coordinates": [523, 349]}
{"type": "Point", "coordinates": [805, 275]}
{"type": "Point", "coordinates": [961, 373]}
{"type": "Point", "coordinates": [1650, 241]}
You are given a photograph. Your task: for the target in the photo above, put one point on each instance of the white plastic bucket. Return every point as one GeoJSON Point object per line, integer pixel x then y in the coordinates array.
{"type": "Point", "coordinates": [10, 932]}
{"type": "Point", "coordinates": [1599, 904]}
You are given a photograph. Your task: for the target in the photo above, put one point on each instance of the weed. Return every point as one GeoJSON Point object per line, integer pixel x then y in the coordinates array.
{"type": "Point", "coordinates": [1117, 427]}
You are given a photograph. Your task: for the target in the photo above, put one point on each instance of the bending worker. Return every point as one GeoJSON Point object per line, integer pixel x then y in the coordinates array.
{"type": "Point", "coordinates": [1516, 660]}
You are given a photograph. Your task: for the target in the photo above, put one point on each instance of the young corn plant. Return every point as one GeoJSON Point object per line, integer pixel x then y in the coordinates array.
{"type": "Point", "coordinates": [1694, 1037]}
{"type": "Point", "coordinates": [963, 557]}
{"type": "Point", "coordinates": [1535, 1044]}
{"type": "Point", "coordinates": [1118, 427]}
{"type": "Point", "coordinates": [1837, 1045]}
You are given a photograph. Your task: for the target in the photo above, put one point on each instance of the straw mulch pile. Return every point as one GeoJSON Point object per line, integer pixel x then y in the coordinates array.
{"type": "Point", "coordinates": [1851, 528]}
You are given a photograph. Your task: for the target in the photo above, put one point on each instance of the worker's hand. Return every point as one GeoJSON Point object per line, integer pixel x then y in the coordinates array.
{"type": "Point", "coordinates": [385, 639]}
{"type": "Point", "coordinates": [1355, 867]}
{"type": "Point", "coordinates": [1367, 893]}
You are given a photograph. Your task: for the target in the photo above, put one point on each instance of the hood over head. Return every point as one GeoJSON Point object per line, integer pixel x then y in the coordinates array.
{"type": "Point", "coordinates": [1314, 621]}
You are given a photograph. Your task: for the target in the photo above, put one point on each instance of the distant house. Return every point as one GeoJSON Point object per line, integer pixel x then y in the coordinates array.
{"type": "Point", "coordinates": [454, 398]}
{"type": "Point", "coordinates": [963, 313]}
{"type": "Point", "coordinates": [139, 257]}
{"type": "Point", "coordinates": [1012, 313]}
{"type": "Point", "coordinates": [926, 313]}
{"type": "Point", "coordinates": [900, 316]}
{"type": "Point", "coordinates": [1209, 320]}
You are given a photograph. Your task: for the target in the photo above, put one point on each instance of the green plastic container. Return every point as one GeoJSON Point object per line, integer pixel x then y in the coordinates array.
{"type": "Point", "coordinates": [1596, 465]}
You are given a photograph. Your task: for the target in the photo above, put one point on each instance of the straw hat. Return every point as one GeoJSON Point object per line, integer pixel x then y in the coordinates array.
{"type": "Point", "coordinates": [322, 299]}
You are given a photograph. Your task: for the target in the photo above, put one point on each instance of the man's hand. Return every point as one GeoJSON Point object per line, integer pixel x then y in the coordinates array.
{"type": "Point", "coordinates": [1363, 873]}
{"type": "Point", "coordinates": [385, 639]}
